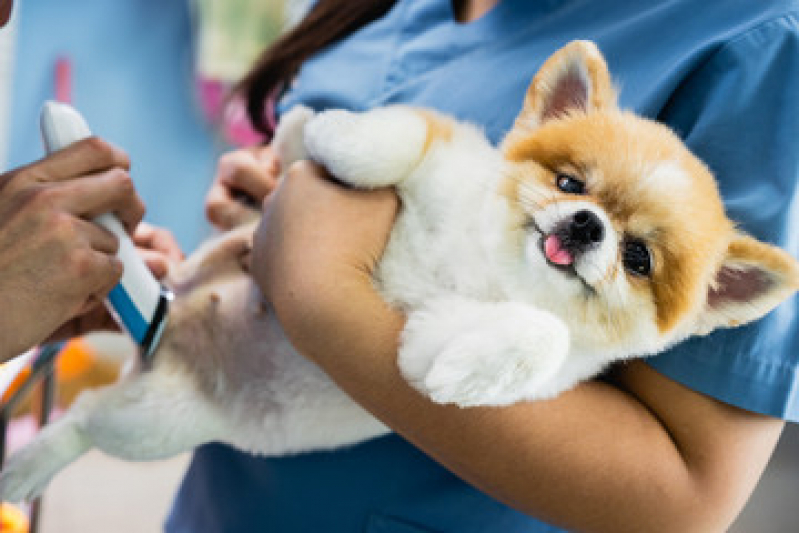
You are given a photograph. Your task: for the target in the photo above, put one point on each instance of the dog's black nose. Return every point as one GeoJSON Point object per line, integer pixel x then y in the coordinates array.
{"type": "Point", "coordinates": [586, 228]}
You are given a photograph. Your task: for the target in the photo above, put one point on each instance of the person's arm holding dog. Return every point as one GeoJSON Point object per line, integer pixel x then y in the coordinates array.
{"type": "Point", "coordinates": [641, 454]}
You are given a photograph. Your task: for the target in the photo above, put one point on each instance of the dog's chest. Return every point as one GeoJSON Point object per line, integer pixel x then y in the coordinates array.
{"type": "Point", "coordinates": [447, 239]}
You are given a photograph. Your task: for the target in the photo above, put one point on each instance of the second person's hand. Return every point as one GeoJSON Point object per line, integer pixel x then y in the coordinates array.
{"type": "Point", "coordinates": [243, 179]}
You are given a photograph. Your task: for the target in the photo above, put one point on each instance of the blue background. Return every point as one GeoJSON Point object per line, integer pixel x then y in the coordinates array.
{"type": "Point", "coordinates": [133, 80]}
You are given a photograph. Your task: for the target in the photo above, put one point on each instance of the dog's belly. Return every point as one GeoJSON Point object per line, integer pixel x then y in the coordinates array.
{"type": "Point", "coordinates": [268, 398]}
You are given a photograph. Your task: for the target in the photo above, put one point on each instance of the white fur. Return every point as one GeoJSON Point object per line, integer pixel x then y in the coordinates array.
{"type": "Point", "coordinates": [288, 142]}
{"type": "Point", "coordinates": [344, 141]}
{"type": "Point", "coordinates": [468, 352]}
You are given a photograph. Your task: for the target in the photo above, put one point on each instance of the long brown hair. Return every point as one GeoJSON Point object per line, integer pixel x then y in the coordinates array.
{"type": "Point", "coordinates": [327, 22]}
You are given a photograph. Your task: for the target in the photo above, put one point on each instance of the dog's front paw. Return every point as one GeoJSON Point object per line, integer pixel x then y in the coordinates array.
{"type": "Point", "coordinates": [483, 354]}
{"type": "Point", "coordinates": [374, 149]}
{"type": "Point", "coordinates": [483, 368]}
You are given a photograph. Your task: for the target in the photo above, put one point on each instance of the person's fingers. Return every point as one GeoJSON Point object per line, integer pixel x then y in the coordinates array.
{"type": "Point", "coordinates": [254, 172]}
{"type": "Point", "coordinates": [224, 211]}
{"type": "Point", "coordinates": [99, 238]}
{"type": "Point", "coordinates": [83, 157]}
{"type": "Point", "coordinates": [111, 191]}
{"type": "Point", "coordinates": [243, 179]}
{"type": "Point", "coordinates": [220, 207]}
{"type": "Point", "coordinates": [151, 238]}
{"type": "Point", "coordinates": [93, 274]}
{"type": "Point", "coordinates": [266, 155]}
{"type": "Point", "coordinates": [92, 317]}
{"type": "Point", "coordinates": [156, 262]}
{"type": "Point", "coordinates": [108, 271]}
{"type": "Point", "coordinates": [89, 306]}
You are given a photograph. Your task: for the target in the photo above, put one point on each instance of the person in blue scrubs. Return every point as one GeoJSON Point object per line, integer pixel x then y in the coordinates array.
{"type": "Point", "coordinates": [675, 443]}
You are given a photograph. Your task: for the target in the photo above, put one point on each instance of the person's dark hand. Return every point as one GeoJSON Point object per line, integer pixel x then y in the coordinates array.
{"type": "Point", "coordinates": [158, 248]}
{"type": "Point", "coordinates": [243, 179]}
{"type": "Point", "coordinates": [55, 263]}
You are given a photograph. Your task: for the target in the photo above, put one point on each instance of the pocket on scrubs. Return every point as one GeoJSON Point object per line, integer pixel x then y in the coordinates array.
{"type": "Point", "coordinates": [379, 523]}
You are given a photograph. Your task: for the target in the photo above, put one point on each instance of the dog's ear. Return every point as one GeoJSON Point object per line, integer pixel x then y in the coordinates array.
{"type": "Point", "coordinates": [575, 79]}
{"type": "Point", "coordinates": [753, 279]}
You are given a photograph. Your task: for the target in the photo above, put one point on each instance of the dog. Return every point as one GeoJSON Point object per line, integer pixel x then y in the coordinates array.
{"type": "Point", "coordinates": [590, 235]}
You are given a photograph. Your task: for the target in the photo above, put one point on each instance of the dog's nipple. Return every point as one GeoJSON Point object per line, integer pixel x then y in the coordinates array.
{"type": "Point", "coordinates": [555, 252]}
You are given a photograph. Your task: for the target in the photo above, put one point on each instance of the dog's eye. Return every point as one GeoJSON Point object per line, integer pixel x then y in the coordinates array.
{"type": "Point", "coordinates": [569, 184]}
{"type": "Point", "coordinates": [636, 258]}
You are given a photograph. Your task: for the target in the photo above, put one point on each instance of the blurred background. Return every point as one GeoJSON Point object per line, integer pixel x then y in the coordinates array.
{"type": "Point", "coordinates": [150, 76]}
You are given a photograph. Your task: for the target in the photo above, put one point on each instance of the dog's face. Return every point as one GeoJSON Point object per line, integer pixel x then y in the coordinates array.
{"type": "Point", "coordinates": [621, 229]}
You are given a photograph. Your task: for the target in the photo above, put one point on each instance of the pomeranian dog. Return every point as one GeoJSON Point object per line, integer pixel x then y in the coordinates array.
{"type": "Point", "coordinates": [589, 236]}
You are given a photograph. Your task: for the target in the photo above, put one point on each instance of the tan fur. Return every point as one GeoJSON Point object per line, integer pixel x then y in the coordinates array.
{"type": "Point", "coordinates": [439, 129]}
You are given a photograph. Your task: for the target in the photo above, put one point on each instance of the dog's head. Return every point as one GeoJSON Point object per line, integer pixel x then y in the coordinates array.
{"type": "Point", "coordinates": [622, 229]}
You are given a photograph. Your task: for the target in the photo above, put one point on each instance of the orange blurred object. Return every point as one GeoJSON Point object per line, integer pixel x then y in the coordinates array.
{"type": "Point", "coordinates": [75, 359]}
{"type": "Point", "coordinates": [13, 520]}
{"type": "Point", "coordinates": [76, 368]}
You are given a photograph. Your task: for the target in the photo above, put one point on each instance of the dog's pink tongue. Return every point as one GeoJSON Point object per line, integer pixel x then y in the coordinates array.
{"type": "Point", "coordinates": [554, 251]}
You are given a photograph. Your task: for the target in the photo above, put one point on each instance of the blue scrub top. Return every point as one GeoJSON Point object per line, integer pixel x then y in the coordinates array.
{"type": "Point", "coordinates": [723, 73]}
{"type": "Point", "coordinates": [133, 80]}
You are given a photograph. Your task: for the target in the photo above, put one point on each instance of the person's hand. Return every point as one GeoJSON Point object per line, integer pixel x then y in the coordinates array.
{"type": "Point", "coordinates": [159, 250]}
{"type": "Point", "coordinates": [243, 179]}
{"type": "Point", "coordinates": [54, 262]}
{"type": "Point", "coordinates": [315, 250]}
{"type": "Point", "coordinates": [158, 247]}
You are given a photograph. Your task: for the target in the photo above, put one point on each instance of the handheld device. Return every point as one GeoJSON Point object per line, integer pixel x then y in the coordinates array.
{"type": "Point", "coordinates": [138, 302]}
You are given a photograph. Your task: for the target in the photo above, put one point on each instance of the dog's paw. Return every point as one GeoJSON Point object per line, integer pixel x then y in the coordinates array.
{"type": "Point", "coordinates": [374, 149]}
{"type": "Point", "coordinates": [483, 354]}
{"type": "Point", "coordinates": [477, 370]}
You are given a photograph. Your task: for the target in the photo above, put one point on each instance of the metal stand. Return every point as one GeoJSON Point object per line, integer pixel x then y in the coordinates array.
{"type": "Point", "coordinates": [42, 371]}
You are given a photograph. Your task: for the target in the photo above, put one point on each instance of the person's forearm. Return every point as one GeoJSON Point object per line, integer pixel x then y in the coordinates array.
{"type": "Point", "coordinates": [593, 459]}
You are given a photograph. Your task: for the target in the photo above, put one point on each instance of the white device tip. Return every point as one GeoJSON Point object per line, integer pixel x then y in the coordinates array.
{"type": "Point", "coordinates": [61, 126]}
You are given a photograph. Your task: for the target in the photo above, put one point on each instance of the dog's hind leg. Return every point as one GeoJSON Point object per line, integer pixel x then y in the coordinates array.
{"type": "Point", "coordinates": [27, 472]}
{"type": "Point", "coordinates": [149, 416]}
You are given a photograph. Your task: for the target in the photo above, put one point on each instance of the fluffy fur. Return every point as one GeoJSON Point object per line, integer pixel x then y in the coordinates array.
{"type": "Point", "coordinates": [522, 270]}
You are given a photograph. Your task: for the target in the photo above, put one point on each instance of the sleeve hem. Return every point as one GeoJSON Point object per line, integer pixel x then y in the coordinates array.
{"type": "Point", "coordinates": [750, 384]}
